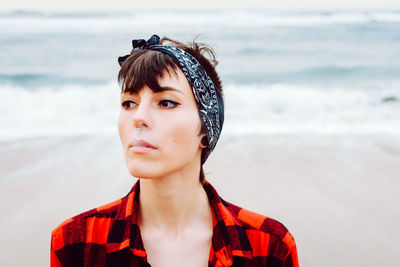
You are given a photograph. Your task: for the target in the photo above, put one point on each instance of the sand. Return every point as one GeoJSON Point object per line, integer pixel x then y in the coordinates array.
{"type": "Point", "coordinates": [337, 195]}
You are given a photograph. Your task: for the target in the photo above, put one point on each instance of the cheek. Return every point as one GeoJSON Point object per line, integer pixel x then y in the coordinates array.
{"type": "Point", "coordinates": [183, 133]}
{"type": "Point", "coordinates": [122, 127]}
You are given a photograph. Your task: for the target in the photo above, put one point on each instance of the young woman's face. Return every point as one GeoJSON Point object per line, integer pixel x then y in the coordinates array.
{"type": "Point", "coordinates": [168, 121]}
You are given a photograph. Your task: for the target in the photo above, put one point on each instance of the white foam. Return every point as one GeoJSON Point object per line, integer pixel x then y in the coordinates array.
{"type": "Point", "coordinates": [273, 109]}
{"type": "Point", "coordinates": [67, 110]}
{"type": "Point", "coordinates": [281, 109]}
{"type": "Point", "coordinates": [195, 20]}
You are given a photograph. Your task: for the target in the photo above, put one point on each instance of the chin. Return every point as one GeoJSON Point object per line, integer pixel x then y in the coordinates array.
{"type": "Point", "coordinates": [145, 171]}
{"type": "Point", "coordinates": [152, 170]}
{"type": "Point", "coordinates": [139, 173]}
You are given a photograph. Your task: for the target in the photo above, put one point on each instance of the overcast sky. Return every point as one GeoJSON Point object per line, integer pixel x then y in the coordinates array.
{"type": "Point", "coordinates": [131, 5]}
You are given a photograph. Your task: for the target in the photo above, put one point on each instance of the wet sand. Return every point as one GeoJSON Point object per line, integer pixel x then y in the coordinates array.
{"type": "Point", "coordinates": [337, 195]}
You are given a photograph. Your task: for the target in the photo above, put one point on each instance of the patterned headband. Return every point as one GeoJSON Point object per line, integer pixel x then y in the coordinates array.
{"type": "Point", "coordinates": [208, 97]}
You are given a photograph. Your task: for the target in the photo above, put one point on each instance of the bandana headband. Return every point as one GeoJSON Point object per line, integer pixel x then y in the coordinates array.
{"type": "Point", "coordinates": [208, 97]}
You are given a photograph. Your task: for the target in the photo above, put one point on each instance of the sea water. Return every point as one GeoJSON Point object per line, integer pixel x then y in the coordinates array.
{"type": "Point", "coordinates": [329, 73]}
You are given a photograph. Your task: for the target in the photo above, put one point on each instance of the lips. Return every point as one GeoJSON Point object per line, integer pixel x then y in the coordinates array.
{"type": "Point", "coordinates": [141, 143]}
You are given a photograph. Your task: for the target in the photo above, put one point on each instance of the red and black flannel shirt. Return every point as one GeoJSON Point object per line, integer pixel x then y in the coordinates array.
{"type": "Point", "coordinates": [110, 236]}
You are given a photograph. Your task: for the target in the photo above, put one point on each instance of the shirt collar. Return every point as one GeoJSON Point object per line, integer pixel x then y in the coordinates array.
{"type": "Point", "coordinates": [229, 236]}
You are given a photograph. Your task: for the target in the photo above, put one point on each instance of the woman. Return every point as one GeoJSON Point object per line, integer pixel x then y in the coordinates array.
{"type": "Point", "coordinates": [171, 118]}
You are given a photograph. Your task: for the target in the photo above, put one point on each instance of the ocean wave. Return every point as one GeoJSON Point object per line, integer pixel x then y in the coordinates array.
{"type": "Point", "coordinates": [250, 109]}
{"type": "Point", "coordinates": [312, 75]}
{"type": "Point", "coordinates": [35, 13]}
{"type": "Point", "coordinates": [65, 110]}
{"type": "Point", "coordinates": [37, 80]}
{"type": "Point", "coordinates": [286, 109]}
{"type": "Point", "coordinates": [327, 74]}
{"type": "Point", "coordinates": [124, 22]}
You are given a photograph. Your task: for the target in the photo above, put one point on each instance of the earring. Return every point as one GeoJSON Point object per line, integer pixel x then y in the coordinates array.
{"type": "Point", "coordinates": [204, 141]}
{"type": "Point", "coordinates": [140, 127]}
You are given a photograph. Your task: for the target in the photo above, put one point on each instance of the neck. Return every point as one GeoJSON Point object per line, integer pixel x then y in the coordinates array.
{"type": "Point", "coordinates": [173, 203]}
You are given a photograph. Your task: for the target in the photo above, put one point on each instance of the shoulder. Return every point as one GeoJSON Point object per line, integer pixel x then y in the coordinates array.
{"type": "Point", "coordinates": [84, 233]}
{"type": "Point", "coordinates": [255, 221]}
{"type": "Point", "coordinates": [78, 228]}
{"type": "Point", "coordinates": [266, 235]}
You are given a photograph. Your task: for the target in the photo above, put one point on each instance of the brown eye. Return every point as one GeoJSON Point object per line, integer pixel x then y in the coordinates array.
{"type": "Point", "coordinates": [128, 104]}
{"type": "Point", "coordinates": [168, 103]}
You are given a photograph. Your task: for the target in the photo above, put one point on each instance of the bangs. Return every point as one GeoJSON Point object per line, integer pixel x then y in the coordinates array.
{"type": "Point", "coordinates": [145, 68]}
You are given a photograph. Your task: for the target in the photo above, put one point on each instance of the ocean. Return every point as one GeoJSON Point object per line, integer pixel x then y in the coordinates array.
{"type": "Point", "coordinates": [311, 135]}
{"type": "Point", "coordinates": [308, 72]}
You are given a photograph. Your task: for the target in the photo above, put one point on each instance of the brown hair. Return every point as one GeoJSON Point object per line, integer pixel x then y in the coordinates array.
{"type": "Point", "coordinates": [145, 67]}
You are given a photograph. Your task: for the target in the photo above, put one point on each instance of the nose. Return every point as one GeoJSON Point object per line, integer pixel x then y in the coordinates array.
{"type": "Point", "coordinates": [142, 115]}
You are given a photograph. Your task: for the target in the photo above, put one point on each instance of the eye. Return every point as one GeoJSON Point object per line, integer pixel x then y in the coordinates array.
{"type": "Point", "coordinates": [128, 104]}
{"type": "Point", "coordinates": [168, 103]}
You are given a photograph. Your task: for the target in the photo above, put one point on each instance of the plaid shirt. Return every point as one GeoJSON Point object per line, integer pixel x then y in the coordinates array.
{"type": "Point", "coordinates": [110, 236]}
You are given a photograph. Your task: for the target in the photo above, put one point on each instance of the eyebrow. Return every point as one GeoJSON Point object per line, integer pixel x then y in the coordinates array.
{"type": "Point", "coordinates": [163, 89]}
{"type": "Point", "coordinates": [168, 88]}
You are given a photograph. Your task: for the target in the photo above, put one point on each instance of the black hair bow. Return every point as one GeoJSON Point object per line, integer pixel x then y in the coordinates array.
{"type": "Point", "coordinates": [139, 44]}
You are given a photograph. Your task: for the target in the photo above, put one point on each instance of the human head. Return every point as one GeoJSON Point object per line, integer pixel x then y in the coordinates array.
{"type": "Point", "coordinates": [145, 67]}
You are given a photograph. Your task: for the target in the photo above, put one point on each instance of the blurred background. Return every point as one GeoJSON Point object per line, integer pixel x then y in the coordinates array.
{"type": "Point", "coordinates": [312, 126]}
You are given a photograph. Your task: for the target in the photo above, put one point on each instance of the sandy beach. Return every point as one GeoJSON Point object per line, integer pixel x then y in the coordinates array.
{"type": "Point", "coordinates": [337, 195]}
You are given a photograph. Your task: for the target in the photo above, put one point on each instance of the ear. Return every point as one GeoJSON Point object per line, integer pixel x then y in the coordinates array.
{"type": "Point", "coordinates": [204, 142]}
